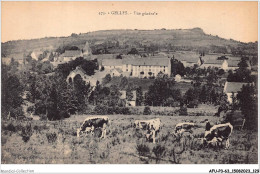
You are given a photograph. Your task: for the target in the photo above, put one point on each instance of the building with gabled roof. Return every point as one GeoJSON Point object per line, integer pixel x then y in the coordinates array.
{"type": "Point", "coordinates": [139, 67]}
{"type": "Point", "coordinates": [70, 55]}
{"type": "Point", "coordinates": [232, 88]}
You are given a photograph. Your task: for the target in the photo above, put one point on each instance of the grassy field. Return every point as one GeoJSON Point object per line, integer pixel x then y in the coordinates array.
{"type": "Point", "coordinates": [56, 143]}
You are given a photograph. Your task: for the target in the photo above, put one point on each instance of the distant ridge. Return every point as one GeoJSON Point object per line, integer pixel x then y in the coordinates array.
{"type": "Point", "coordinates": [187, 38]}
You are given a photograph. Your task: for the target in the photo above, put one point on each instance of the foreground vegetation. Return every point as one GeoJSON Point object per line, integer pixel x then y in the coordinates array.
{"type": "Point", "coordinates": [55, 142]}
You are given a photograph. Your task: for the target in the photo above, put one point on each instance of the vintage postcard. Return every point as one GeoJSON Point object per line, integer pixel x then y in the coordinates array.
{"type": "Point", "coordinates": [129, 83]}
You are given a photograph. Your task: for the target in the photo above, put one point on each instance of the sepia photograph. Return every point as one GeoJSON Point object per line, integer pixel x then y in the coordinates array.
{"type": "Point", "coordinates": [129, 83]}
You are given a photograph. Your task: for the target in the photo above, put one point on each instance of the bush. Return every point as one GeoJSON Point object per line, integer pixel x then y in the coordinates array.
{"type": "Point", "coordinates": [101, 110]}
{"type": "Point", "coordinates": [193, 104]}
{"type": "Point", "coordinates": [159, 151]}
{"type": "Point", "coordinates": [183, 111]}
{"type": "Point", "coordinates": [143, 150]}
{"type": "Point", "coordinates": [64, 114]}
{"type": "Point", "coordinates": [10, 127]}
{"type": "Point", "coordinates": [53, 114]}
{"type": "Point", "coordinates": [121, 110]}
{"type": "Point", "coordinates": [27, 132]}
{"type": "Point", "coordinates": [147, 110]}
{"type": "Point", "coordinates": [16, 112]}
{"type": "Point", "coordinates": [52, 137]}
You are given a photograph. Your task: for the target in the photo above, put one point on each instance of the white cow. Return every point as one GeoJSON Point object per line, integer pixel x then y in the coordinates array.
{"type": "Point", "coordinates": [91, 123]}
{"type": "Point", "coordinates": [152, 126]}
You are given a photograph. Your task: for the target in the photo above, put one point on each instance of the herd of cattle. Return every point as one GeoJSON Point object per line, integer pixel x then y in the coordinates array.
{"type": "Point", "coordinates": [214, 135]}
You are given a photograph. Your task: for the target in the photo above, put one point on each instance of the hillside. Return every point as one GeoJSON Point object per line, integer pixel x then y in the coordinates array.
{"type": "Point", "coordinates": [119, 41]}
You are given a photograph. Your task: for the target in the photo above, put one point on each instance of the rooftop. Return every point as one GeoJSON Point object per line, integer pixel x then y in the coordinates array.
{"type": "Point", "coordinates": [162, 61]}
{"type": "Point", "coordinates": [72, 53]}
{"type": "Point", "coordinates": [233, 87]}
{"type": "Point", "coordinates": [112, 62]}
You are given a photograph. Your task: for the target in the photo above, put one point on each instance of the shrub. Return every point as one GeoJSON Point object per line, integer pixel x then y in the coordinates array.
{"type": "Point", "coordinates": [122, 110]}
{"type": "Point", "coordinates": [64, 114]}
{"type": "Point", "coordinates": [10, 127]}
{"type": "Point", "coordinates": [159, 151]}
{"type": "Point", "coordinates": [52, 137]}
{"type": "Point", "coordinates": [101, 110]}
{"type": "Point", "coordinates": [193, 104]}
{"type": "Point", "coordinates": [53, 114]}
{"type": "Point", "coordinates": [183, 111]}
{"type": "Point", "coordinates": [16, 112]}
{"type": "Point", "coordinates": [143, 150]}
{"type": "Point", "coordinates": [147, 110]}
{"type": "Point", "coordinates": [27, 132]}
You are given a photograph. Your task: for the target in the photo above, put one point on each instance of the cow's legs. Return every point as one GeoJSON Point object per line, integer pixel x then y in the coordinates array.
{"type": "Point", "coordinates": [104, 131]}
{"type": "Point", "coordinates": [153, 132]}
{"type": "Point", "coordinates": [92, 130]}
{"type": "Point", "coordinates": [227, 143]}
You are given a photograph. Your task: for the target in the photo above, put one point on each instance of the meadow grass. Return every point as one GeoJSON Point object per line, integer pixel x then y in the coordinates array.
{"type": "Point", "coordinates": [55, 142]}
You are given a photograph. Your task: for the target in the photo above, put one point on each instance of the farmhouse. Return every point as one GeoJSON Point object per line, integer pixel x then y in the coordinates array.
{"type": "Point", "coordinates": [232, 88]}
{"type": "Point", "coordinates": [139, 67]}
{"type": "Point", "coordinates": [70, 55]}
{"type": "Point", "coordinates": [109, 64]}
{"type": "Point", "coordinates": [189, 59]}
{"type": "Point", "coordinates": [147, 67]}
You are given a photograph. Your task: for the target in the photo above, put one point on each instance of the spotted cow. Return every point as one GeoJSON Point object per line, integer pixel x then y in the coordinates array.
{"type": "Point", "coordinates": [152, 126]}
{"type": "Point", "coordinates": [92, 123]}
{"type": "Point", "coordinates": [217, 134]}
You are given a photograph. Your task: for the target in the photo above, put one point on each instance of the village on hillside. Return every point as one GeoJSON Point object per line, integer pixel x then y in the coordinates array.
{"type": "Point", "coordinates": [148, 94]}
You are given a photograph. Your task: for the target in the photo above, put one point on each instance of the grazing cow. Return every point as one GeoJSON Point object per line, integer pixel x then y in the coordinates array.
{"type": "Point", "coordinates": [152, 126]}
{"type": "Point", "coordinates": [183, 127]}
{"type": "Point", "coordinates": [218, 133]}
{"type": "Point", "coordinates": [141, 124]}
{"type": "Point", "coordinates": [91, 123]}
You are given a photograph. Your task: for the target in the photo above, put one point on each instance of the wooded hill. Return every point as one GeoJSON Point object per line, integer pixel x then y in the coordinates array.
{"type": "Point", "coordinates": [121, 41]}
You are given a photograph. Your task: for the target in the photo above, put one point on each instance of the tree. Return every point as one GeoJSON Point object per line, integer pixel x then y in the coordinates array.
{"type": "Point", "coordinates": [211, 78]}
{"type": "Point", "coordinates": [51, 57]}
{"type": "Point", "coordinates": [221, 72]}
{"type": "Point", "coordinates": [191, 97]}
{"type": "Point", "coordinates": [114, 96]}
{"type": "Point", "coordinates": [147, 110]}
{"type": "Point", "coordinates": [46, 67]}
{"type": "Point", "coordinates": [247, 99]}
{"type": "Point", "coordinates": [159, 91]}
{"type": "Point", "coordinates": [123, 83]}
{"type": "Point", "coordinates": [242, 74]}
{"type": "Point", "coordinates": [139, 96]}
{"type": "Point", "coordinates": [12, 92]}
{"type": "Point", "coordinates": [106, 79]}
{"type": "Point", "coordinates": [129, 94]}
{"type": "Point", "coordinates": [89, 66]}
{"type": "Point", "coordinates": [177, 67]}
{"type": "Point", "coordinates": [81, 91]}
{"type": "Point", "coordinates": [203, 94]}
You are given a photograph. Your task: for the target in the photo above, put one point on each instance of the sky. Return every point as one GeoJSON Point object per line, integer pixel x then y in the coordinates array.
{"type": "Point", "coordinates": [29, 20]}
